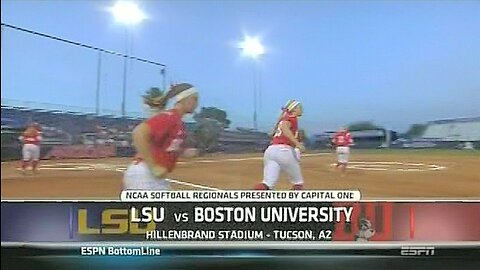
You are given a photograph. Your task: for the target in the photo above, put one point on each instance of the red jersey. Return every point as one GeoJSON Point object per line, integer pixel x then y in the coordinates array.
{"type": "Point", "coordinates": [31, 137]}
{"type": "Point", "coordinates": [342, 138]}
{"type": "Point", "coordinates": [168, 137]}
{"type": "Point", "coordinates": [278, 137]}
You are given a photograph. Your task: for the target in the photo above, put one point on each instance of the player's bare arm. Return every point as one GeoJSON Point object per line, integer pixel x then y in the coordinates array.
{"type": "Point", "coordinates": [285, 128]}
{"type": "Point", "coordinates": [141, 141]}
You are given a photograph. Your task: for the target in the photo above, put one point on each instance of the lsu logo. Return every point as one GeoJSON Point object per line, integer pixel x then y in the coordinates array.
{"type": "Point", "coordinates": [112, 221]}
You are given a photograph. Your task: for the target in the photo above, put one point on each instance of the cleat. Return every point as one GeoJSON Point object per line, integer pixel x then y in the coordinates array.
{"type": "Point", "coordinates": [261, 186]}
{"type": "Point", "coordinates": [297, 187]}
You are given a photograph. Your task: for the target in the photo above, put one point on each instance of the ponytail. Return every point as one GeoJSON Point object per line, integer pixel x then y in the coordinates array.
{"type": "Point", "coordinates": [160, 103]}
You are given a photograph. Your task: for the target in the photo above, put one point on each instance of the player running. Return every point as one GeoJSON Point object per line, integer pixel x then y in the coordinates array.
{"type": "Point", "coordinates": [281, 154]}
{"type": "Point", "coordinates": [160, 140]}
{"type": "Point", "coordinates": [31, 139]}
{"type": "Point", "coordinates": [342, 140]}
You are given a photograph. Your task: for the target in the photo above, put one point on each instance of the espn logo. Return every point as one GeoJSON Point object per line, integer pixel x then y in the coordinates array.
{"type": "Point", "coordinates": [417, 251]}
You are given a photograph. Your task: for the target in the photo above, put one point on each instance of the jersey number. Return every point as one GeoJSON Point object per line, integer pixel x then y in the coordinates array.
{"type": "Point", "coordinates": [279, 132]}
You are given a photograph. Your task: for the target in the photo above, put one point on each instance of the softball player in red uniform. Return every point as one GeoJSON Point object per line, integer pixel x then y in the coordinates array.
{"type": "Point", "coordinates": [281, 154]}
{"type": "Point", "coordinates": [31, 139]}
{"type": "Point", "coordinates": [159, 141]}
{"type": "Point", "coordinates": [342, 140]}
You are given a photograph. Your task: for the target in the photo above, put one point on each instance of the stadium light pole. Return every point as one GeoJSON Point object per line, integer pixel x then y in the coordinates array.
{"type": "Point", "coordinates": [99, 74]}
{"type": "Point", "coordinates": [129, 14]}
{"type": "Point", "coordinates": [253, 48]}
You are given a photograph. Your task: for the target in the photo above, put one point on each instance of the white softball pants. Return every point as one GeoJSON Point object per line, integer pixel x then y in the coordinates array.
{"type": "Point", "coordinates": [31, 152]}
{"type": "Point", "coordinates": [343, 154]}
{"type": "Point", "coordinates": [279, 158]}
{"type": "Point", "coordinates": [139, 177]}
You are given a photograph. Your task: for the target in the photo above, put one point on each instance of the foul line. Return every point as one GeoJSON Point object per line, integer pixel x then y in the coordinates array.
{"type": "Point", "coordinates": [78, 166]}
{"type": "Point", "coordinates": [240, 159]}
{"type": "Point", "coordinates": [192, 185]}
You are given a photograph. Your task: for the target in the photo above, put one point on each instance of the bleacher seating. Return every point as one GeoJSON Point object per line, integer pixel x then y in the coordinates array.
{"type": "Point", "coordinates": [462, 130]}
{"type": "Point", "coordinates": [69, 127]}
{"type": "Point", "coordinates": [73, 123]}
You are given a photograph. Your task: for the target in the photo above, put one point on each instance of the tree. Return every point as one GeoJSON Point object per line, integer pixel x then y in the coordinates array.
{"type": "Point", "coordinates": [416, 130]}
{"type": "Point", "coordinates": [363, 125]}
{"type": "Point", "coordinates": [206, 134]}
{"type": "Point", "coordinates": [213, 113]}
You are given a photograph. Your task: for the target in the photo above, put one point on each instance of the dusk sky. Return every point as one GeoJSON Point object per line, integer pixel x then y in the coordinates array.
{"type": "Point", "coordinates": [391, 62]}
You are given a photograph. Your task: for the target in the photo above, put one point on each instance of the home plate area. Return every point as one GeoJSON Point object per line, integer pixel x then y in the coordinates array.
{"type": "Point", "coordinates": [392, 166]}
